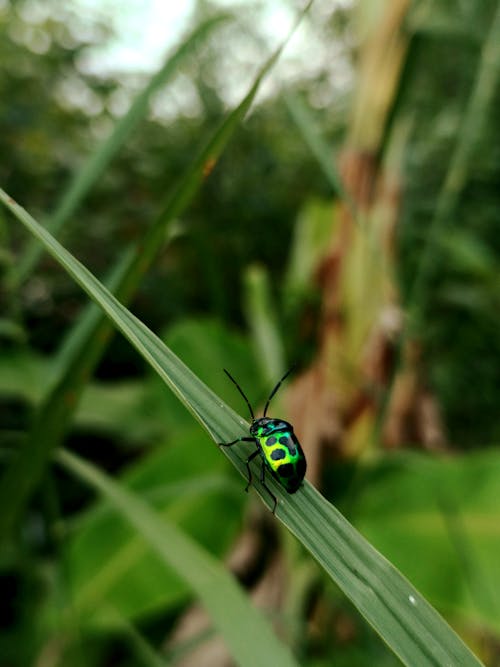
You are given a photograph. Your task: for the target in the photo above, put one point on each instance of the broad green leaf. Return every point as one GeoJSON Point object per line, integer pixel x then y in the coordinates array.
{"type": "Point", "coordinates": [207, 347]}
{"type": "Point", "coordinates": [247, 634]}
{"type": "Point", "coordinates": [23, 375]}
{"type": "Point", "coordinates": [121, 408]}
{"type": "Point", "coordinates": [403, 618]}
{"type": "Point", "coordinates": [118, 407]}
{"type": "Point", "coordinates": [439, 520]}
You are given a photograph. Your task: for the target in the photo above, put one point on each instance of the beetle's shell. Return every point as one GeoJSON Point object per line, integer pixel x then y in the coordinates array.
{"type": "Point", "coordinates": [280, 451]}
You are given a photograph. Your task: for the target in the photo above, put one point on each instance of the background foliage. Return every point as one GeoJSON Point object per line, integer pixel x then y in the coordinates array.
{"type": "Point", "coordinates": [244, 281]}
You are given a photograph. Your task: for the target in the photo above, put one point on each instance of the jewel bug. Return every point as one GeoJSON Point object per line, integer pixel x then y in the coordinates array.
{"type": "Point", "coordinates": [277, 445]}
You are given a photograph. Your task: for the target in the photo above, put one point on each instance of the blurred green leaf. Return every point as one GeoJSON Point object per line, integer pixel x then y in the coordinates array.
{"type": "Point", "coordinates": [410, 505]}
{"type": "Point", "coordinates": [469, 254]}
{"type": "Point", "coordinates": [95, 165]}
{"type": "Point", "coordinates": [459, 166]}
{"type": "Point", "coordinates": [110, 566]}
{"type": "Point", "coordinates": [313, 230]}
{"type": "Point", "coordinates": [247, 634]}
{"type": "Point", "coordinates": [23, 374]}
{"type": "Point", "coordinates": [261, 314]}
{"type": "Point", "coordinates": [207, 347]}
{"type": "Point", "coordinates": [312, 136]}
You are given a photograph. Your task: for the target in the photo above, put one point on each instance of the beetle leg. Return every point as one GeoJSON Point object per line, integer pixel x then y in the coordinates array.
{"type": "Point", "coordinates": [263, 482]}
{"type": "Point", "coordinates": [250, 458]}
{"type": "Point", "coordinates": [229, 444]}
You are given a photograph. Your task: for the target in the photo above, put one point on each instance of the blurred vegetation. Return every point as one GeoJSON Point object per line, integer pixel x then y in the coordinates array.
{"type": "Point", "coordinates": [243, 281]}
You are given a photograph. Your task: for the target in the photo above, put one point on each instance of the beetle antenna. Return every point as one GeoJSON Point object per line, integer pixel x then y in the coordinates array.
{"type": "Point", "coordinates": [277, 387]}
{"type": "Point", "coordinates": [241, 392]}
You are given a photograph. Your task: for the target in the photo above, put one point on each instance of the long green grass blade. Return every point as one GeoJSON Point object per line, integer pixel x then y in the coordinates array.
{"type": "Point", "coordinates": [410, 626]}
{"type": "Point", "coordinates": [262, 323]}
{"type": "Point", "coordinates": [95, 165]}
{"type": "Point", "coordinates": [247, 634]}
{"type": "Point", "coordinates": [59, 405]}
{"type": "Point", "coordinates": [312, 137]}
{"type": "Point", "coordinates": [473, 121]}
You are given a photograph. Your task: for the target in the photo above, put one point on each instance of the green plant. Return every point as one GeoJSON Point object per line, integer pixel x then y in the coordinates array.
{"type": "Point", "coordinates": [408, 624]}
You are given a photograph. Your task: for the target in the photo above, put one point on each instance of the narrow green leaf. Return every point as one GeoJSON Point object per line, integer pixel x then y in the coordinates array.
{"type": "Point", "coordinates": [313, 229]}
{"type": "Point", "coordinates": [247, 634]}
{"type": "Point", "coordinates": [403, 618]}
{"type": "Point", "coordinates": [145, 654]}
{"type": "Point", "coordinates": [108, 562]}
{"type": "Point", "coordinates": [312, 137]}
{"type": "Point", "coordinates": [54, 415]}
{"type": "Point", "coordinates": [261, 318]}
{"type": "Point", "coordinates": [473, 121]}
{"type": "Point", "coordinates": [73, 352]}
{"type": "Point", "coordinates": [204, 405]}
{"type": "Point", "coordinates": [95, 165]}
